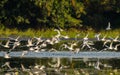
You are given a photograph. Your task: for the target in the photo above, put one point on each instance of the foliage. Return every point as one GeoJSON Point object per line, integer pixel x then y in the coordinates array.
{"type": "Point", "coordinates": [42, 14]}
{"type": "Point", "coordinates": [100, 12]}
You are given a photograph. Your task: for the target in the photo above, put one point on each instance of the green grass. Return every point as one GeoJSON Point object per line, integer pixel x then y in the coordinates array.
{"type": "Point", "coordinates": [4, 32]}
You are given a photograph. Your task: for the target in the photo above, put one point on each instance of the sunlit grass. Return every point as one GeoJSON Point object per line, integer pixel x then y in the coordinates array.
{"type": "Point", "coordinates": [112, 33]}
{"type": "Point", "coordinates": [4, 32]}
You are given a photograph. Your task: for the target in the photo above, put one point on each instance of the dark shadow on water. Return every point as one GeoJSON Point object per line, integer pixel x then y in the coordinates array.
{"type": "Point", "coordinates": [74, 65]}
{"type": "Point", "coordinates": [72, 62]}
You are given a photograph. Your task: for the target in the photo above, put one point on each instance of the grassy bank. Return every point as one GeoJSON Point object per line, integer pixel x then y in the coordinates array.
{"type": "Point", "coordinates": [50, 32]}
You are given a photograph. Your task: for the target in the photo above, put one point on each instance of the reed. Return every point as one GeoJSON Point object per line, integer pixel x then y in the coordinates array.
{"type": "Point", "coordinates": [5, 32]}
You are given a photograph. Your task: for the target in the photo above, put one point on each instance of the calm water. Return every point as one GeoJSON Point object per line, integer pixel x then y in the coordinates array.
{"type": "Point", "coordinates": [65, 54]}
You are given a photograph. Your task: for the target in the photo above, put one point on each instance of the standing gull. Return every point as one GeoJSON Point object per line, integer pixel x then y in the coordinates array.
{"type": "Point", "coordinates": [109, 26]}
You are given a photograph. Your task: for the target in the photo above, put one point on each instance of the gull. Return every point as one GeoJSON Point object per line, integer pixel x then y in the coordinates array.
{"type": "Point", "coordinates": [29, 43]}
{"type": "Point", "coordinates": [111, 46]}
{"type": "Point", "coordinates": [84, 44]}
{"type": "Point", "coordinates": [103, 39]}
{"type": "Point", "coordinates": [43, 50]}
{"type": "Point", "coordinates": [77, 50]}
{"type": "Point", "coordinates": [108, 47]}
{"type": "Point", "coordinates": [63, 46]}
{"type": "Point", "coordinates": [66, 37]}
{"type": "Point", "coordinates": [55, 65]}
{"type": "Point", "coordinates": [36, 65]}
{"type": "Point", "coordinates": [71, 47]}
{"type": "Point", "coordinates": [6, 55]}
{"type": "Point", "coordinates": [39, 66]}
{"type": "Point", "coordinates": [43, 44]}
{"type": "Point", "coordinates": [42, 67]}
{"type": "Point", "coordinates": [7, 44]}
{"type": "Point", "coordinates": [58, 70]}
{"type": "Point", "coordinates": [87, 43]}
{"type": "Point", "coordinates": [38, 40]}
{"type": "Point", "coordinates": [116, 39]}
{"type": "Point", "coordinates": [108, 27]}
{"type": "Point", "coordinates": [36, 49]}
{"type": "Point", "coordinates": [23, 53]}
{"type": "Point", "coordinates": [86, 37]}
{"type": "Point", "coordinates": [98, 36]}
{"type": "Point", "coordinates": [106, 65]}
{"type": "Point", "coordinates": [15, 44]}
{"type": "Point", "coordinates": [38, 71]}
{"type": "Point", "coordinates": [55, 39]}
{"type": "Point", "coordinates": [116, 47]}
{"type": "Point", "coordinates": [31, 48]}
{"type": "Point", "coordinates": [90, 64]}
{"type": "Point", "coordinates": [24, 69]}
{"type": "Point", "coordinates": [52, 50]}
{"type": "Point", "coordinates": [14, 38]}
{"type": "Point", "coordinates": [106, 41]}
{"type": "Point", "coordinates": [59, 34]}
{"type": "Point", "coordinates": [7, 64]}
{"type": "Point", "coordinates": [97, 66]}
{"type": "Point", "coordinates": [50, 41]}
